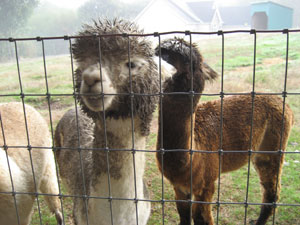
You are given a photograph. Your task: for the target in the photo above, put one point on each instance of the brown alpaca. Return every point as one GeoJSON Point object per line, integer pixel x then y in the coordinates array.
{"type": "Point", "coordinates": [237, 111]}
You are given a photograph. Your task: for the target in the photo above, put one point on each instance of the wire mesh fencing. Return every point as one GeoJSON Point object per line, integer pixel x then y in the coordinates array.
{"type": "Point", "coordinates": [252, 59]}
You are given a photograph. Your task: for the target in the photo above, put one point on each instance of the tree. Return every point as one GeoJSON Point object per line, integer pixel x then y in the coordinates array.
{"type": "Point", "coordinates": [50, 20]}
{"type": "Point", "coordinates": [14, 14]}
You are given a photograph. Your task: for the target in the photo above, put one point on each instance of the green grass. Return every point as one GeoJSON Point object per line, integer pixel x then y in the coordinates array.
{"type": "Point", "coordinates": [32, 76]}
{"type": "Point", "coordinates": [238, 77]}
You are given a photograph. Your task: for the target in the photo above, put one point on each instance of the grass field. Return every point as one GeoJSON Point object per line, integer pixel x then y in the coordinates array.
{"type": "Point", "coordinates": [238, 78]}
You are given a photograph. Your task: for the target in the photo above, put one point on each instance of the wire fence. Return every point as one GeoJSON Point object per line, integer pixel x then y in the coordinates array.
{"type": "Point", "coordinates": [49, 95]}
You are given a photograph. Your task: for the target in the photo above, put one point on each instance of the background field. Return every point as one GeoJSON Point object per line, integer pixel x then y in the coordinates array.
{"type": "Point", "coordinates": [238, 78]}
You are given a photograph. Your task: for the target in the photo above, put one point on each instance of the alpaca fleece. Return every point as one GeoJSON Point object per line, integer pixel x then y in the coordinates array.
{"type": "Point", "coordinates": [42, 159]}
{"type": "Point", "coordinates": [178, 116]}
{"type": "Point", "coordinates": [116, 78]}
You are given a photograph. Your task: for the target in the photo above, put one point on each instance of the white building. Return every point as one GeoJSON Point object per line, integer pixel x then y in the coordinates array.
{"type": "Point", "coordinates": [169, 15]}
{"type": "Point", "coordinates": [178, 15]}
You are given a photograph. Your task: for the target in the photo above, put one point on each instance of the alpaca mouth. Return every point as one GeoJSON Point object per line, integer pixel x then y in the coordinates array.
{"type": "Point", "coordinates": [95, 99]}
{"type": "Point", "coordinates": [97, 102]}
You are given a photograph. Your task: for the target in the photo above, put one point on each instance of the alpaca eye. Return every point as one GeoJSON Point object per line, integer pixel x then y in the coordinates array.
{"type": "Point", "coordinates": [131, 65]}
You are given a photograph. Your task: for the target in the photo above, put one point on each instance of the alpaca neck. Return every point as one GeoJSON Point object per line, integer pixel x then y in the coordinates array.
{"type": "Point", "coordinates": [124, 170]}
{"type": "Point", "coordinates": [118, 133]}
{"type": "Point", "coordinates": [117, 137]}
{"type": "Point", "coordinates": [175, 120]}
{"type": "Point", "coordinates": [175, 132]}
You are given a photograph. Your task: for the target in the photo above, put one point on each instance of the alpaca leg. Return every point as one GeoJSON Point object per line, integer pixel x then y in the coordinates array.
{"type": "Point", "coordinates": [80, 212]}
{"type": "Point", "coordinates": [183, 208]}
{"type": "Point", "coordinates": [202, 212]}
{"type": "Point", "coordinates": [49, 186]}
{"type": "Point", "coordinates": [268, 167]}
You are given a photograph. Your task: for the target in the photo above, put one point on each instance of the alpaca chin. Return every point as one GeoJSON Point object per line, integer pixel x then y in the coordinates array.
{"type": "Point", "coordinates": [98, 103]}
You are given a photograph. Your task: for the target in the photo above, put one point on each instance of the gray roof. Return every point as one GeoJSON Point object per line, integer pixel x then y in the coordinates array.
{"type": "Point", "coordinates": [181, 8]}
{"type": "Point", "coordinates": [235, 15]}
{"type": "Point", "coordinates": [231, 15]}
{"type": "Point", "coordinates": [185, 10]}
{"type": "Point", "coordinates": [203, 10]}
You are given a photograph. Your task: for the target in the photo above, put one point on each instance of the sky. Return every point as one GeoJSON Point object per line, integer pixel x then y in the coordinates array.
{"type": "Point", "coordinates": [73, 4]}
{"type": "Point", "coordinates": [70, 4]}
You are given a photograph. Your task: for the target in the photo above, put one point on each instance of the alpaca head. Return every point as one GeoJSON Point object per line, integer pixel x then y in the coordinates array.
{"type": "Point", "coordinates": [112, 66]}
{"type": "Point", "coordinates": [189, 64]}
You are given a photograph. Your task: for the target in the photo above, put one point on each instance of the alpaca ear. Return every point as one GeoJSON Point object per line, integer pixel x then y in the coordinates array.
{"type": "Point", "coordinates": [209, 73]}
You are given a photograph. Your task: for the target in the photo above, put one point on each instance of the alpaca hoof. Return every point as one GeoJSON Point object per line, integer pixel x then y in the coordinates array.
{"type": "Point", "coordinates": [252, 222]}
{"type": "Point", "coordinates": [59, 218]}
{"type": "Point", "coordinates": [255, 222]}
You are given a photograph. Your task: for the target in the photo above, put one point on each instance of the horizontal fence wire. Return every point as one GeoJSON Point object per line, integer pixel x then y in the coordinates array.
{"type": "Point", "coordinates": [155, 34]}
{"type": "Point", "coordinates": [161, 94]}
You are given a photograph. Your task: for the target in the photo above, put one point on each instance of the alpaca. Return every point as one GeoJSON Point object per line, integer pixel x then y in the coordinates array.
{"type": "Point", "coordinates": [175, 125]}
{"type": "Point", "coordinates": [14, 131]}
{"type": "Point", "coordinates": [106, 120]}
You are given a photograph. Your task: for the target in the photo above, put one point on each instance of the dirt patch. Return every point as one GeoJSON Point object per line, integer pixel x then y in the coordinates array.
{"type": "Point", "coordinates": [265, 62]}
{"type": "Point", "coordinates": [244, 69]}
{"type": "Point", "coordinates": [273, 61]}
{"type": "Point", "coordinates": [57, 111]}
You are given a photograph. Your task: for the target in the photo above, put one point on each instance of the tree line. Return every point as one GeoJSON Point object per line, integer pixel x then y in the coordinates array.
{"type": "Point", "coordinates": [32, 18]}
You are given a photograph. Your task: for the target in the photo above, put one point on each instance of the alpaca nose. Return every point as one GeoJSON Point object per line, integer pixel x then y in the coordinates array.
{"type": "Point", "coordinates": [91, 78]}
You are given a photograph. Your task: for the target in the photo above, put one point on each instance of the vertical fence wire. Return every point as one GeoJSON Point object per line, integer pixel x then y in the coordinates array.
{"type": "Point", "coordinates": [132, 128]}
{"type": "Point", "coordinates": [29, 147]}
{"type": "Point", "coordinates": [251, 127]}
{"type": "Point", "coordinates": [161, 144]}
{"type": "Point", "coordinates": [13, 192]}
{"type": "Point", "coordinates": [84, 197]}
{"type": "Point", "coordinates": [105, 132]}
{"type": "Point", "coordinates": [220, 151]}
{"type": "Point", "coordinates": [284, 96]}
{"type": "Point", "coordinates": [192, 124]}
{"type": "Point", "coordinates": [48, 96]}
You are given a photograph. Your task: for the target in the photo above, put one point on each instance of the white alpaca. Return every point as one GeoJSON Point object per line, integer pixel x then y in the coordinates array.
{"type": "Point", "coordinates": [115, 132]}
{"type": "Point", "coordinates": [13, 125]}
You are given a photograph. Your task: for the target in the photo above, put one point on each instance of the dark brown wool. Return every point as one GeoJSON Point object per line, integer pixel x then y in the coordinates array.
{"type": "Point", "coordinates": [176, 129]}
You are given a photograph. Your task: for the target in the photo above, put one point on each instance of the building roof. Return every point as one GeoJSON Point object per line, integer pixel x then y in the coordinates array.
{"type": "Point", "coordinates": [270, 2]}
{"type": "Point", "coordinates": [235, 15]}
{"type": "Point", "coordinates": [185, 9]}
{"type": "Point", "coordinates": [203, 10]}
{"type": "Point", "coordinates": [179, 6]}
{"type": "Point", "coordinates": [230, 15]}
